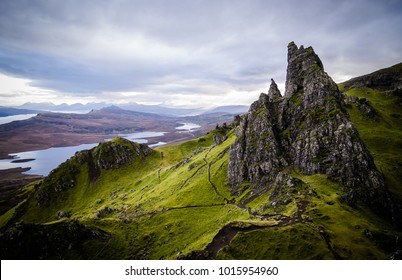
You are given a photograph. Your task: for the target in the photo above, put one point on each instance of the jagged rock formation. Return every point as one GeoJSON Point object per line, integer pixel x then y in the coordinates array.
{"type": "Point", "coordinates": [307, 129]}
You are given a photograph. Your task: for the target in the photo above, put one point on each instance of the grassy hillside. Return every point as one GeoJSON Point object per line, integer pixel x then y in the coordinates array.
{"type": "Point", "coordinates": [175, 203]}
{"type": "Point", "coordinates": [382, 133]}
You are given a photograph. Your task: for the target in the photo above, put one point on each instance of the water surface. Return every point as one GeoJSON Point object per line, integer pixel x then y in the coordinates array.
{"type": "Point", "coordinates": [12, 118]}
{"type": "Point", "coordinates": [188, 126]}
{"type": "Point", "coordinates": [42, 162]}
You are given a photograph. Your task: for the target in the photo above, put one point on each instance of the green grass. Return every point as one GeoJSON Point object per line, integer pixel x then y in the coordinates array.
{"type": "Point", "coordinates": [173, 154]}
{"type": "Point", "coordinates": [344, 224]}
{"type": "Point", "coordinates": [165, 207]}
{"type": "Point", "coordinates": [136, 183]}
{"type": "Point", "coordinates": [382, 136]}
{"type": "Point", "coordinates": [299, 242]}
{"type": "Point", "coordinates": [157, 202]}
{"type": "Point", "coordinates": [165, 235]}
{"type": "Point", "coordinates": [6, 217]}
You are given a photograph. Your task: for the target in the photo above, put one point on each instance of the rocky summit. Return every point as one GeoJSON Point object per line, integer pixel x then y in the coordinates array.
{"type": "Point", "coordinates": [308, 130]}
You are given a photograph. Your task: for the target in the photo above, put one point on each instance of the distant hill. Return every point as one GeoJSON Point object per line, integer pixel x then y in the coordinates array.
{"type": "Point", "coordinates": [6, 111]}
{"type": "Point", "coordinates": [120, 111]}
{"type": "Point", "coordinates": [76, 108]}
{"type": "Point", "coordinates": [160, 110]}
{"type": "Point", "coordinates": [153, 109]}
{"type": "Point", "coordinates": [235, 109]}
{"type": "Point", "coordinates": [387, 79]}
{"type": "Point", "coordinates": [50, 129]}
{"type": "Point", "coordinates": [85, 108]}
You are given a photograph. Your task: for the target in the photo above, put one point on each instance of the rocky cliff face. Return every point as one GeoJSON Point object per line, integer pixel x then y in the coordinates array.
{"type": "Point", "coordinates": [307, 129]}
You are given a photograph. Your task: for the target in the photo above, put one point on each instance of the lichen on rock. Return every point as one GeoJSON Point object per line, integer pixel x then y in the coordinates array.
{"type": "Point", "coordinates": [118, 152]}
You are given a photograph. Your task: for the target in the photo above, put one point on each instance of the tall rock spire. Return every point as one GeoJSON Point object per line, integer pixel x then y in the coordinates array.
{"type": "Point", "coordinates": [308, 129]}
{"type": "Point", "coordinates": [302, 65]}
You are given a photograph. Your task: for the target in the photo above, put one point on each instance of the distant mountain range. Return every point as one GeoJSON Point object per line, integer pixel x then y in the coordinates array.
{"type": "Point", "coordinates": [32, 108]}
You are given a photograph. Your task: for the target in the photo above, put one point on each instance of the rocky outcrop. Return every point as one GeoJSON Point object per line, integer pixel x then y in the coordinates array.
{"type": "Point", "coordinates": [257, 155]}
{"type": "Point", "coordinates": [307, 129]}
{"type": "Point", "coordinates": [108, 155]}
{"type": "Point", "coordinates": [116, 153]}
{"type": "Point", "coordinates": [363, 105]}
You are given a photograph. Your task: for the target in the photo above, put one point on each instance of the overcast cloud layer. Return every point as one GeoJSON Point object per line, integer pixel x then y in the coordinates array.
{"type": "Point", "coordinates": [183, 53]}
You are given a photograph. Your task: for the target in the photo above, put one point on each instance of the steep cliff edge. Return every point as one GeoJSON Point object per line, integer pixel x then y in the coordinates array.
{"type": "Point", "coordinates": [308, 129]}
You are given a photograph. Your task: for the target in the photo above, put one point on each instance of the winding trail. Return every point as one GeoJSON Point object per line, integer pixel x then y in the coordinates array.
{"type": "Point", "coordinates": [229, 231]}
{"type": "Point", "coordinates": [192, 175]}
{"type": "Point", "coordinates": [209, 175]}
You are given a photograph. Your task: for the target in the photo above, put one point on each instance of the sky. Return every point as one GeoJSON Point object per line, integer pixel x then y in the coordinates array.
{"type": "Point", "coordinates": [184, 53]}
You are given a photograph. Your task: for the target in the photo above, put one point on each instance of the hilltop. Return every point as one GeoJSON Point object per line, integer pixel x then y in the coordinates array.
{"type": "Point", "coordinates": [305, 175]}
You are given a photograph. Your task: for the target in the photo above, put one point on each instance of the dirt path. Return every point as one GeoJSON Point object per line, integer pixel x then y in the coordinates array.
{"type": "Point", "coordinates": [192, 175]}
{"type": "Point", "coordinates": [229, 231]}
{"type": "Point", "coordinates": [209, 164]}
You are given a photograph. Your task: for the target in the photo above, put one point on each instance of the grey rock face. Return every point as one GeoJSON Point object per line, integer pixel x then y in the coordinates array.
{"type": "Point", "coordinates": [63, 214]}
{"type": "Point", "coordinates": [308, 129]}
{"type": "Point", "coordinates": [363, 105]}
{"type": "Point", "coordinates": [256, 156]}
{"type": "Point", "coordinates": [218, 139]}
{"type": "Point", "coordinates": [273, 93]}
{"type": "Point", "coordinates": [110, 155]}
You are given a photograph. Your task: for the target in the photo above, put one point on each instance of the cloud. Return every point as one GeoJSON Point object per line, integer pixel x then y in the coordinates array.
{"type": "Point", "coordinates": [18, 90]}
{"type": "Point", "coordinates": [202, 51]}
